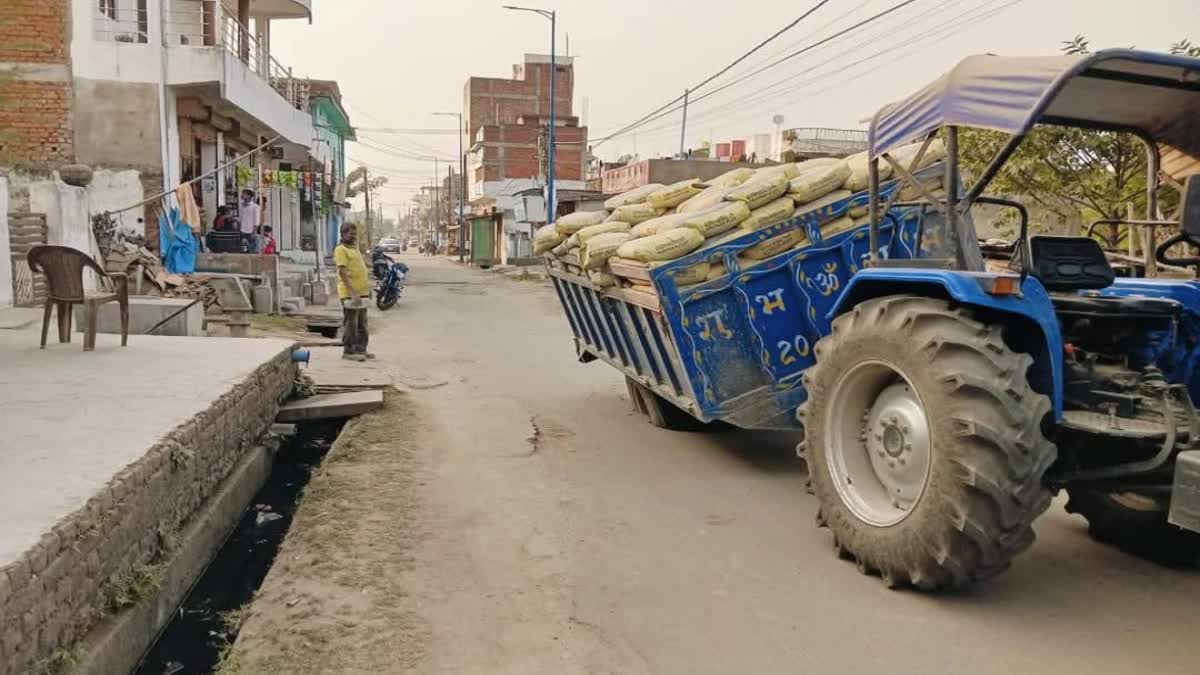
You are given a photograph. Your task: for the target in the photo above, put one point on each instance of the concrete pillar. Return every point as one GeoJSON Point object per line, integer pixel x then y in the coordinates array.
{"type": "Point", "coordinates": [221, 197]}
{"type": "Point", "coordinates": [209, 159]}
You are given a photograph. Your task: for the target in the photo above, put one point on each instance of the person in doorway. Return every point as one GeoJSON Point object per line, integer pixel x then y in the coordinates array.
{"type": "Point", "coordinates": [268, 237]}
{"type": "Point", "coordinates": [248, 216]}
{"type": "Point", "coordinates": [353, 290]}
{"type": "Point", "coordinates": [221, 222]}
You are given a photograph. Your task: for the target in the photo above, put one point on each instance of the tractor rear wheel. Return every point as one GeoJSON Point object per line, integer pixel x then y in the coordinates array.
{"type": "Point", "coordinates": [1136, 523]}
{"type": "Point", "coordinates": [924, 443]}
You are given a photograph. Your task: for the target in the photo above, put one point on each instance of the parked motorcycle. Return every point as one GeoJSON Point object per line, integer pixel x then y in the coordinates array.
{"type": "Point", "coordinates": [391, 284]}
{"type": "Point", "coordinates": [380, 262]}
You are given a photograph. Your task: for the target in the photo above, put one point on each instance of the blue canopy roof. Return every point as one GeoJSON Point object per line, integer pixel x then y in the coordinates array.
{"type": "Point", "coordinates": [1156, 95]}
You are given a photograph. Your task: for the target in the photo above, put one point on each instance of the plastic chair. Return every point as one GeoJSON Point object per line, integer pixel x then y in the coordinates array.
{"type": "Point", "coordinates": [63, 267]}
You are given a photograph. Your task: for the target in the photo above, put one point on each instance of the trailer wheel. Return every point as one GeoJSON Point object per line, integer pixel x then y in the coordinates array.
{"type": "Point", "coordinates": [925, 445]}
{"type": "Point", "coordinates": [1136, 523]}
{"type": "Point", "coordinates": [661, 412]}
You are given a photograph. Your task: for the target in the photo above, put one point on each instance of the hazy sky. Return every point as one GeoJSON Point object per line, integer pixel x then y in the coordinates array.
{"type": "Point", "coordinates": [398, 61]}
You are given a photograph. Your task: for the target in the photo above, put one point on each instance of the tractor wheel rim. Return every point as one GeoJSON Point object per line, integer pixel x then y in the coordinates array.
{"type": "Point", "coordinates": [879, 444]}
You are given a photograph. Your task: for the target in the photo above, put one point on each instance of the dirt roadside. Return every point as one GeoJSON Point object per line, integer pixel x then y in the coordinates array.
{"type": "Point", "coordinates": [336, 599]}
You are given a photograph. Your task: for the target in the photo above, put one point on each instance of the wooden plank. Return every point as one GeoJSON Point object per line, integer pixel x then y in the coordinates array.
{"type": "Point", "coordinates": [327, 406]}
{"type": "Point", "coordinates": [637, 297]}
{"type": "Point", "coordinates": [629, 269]}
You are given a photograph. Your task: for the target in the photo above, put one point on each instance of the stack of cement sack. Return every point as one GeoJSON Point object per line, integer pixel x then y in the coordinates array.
{"type": "Point", "coordinates": [654, 224]}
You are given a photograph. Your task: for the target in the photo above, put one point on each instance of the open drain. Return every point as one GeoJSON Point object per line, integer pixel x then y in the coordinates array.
{"type": "Point", "coordinates": [210, 616]}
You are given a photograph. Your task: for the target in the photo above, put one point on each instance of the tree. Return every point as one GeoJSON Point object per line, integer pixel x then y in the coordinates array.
{"type": "Point", "coordinates": [1070, 171]}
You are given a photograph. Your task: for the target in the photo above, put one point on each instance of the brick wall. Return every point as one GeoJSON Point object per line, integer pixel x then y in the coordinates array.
{"type": "Point", "coordinates": [63, 586]}
{"type": "Point", "coordinates": [35, 115]}
{"type": "Point", "coordinates": [33, 31]}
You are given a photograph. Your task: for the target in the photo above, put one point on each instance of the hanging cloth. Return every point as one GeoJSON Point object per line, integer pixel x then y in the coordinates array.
{"type": "Point", "coordinates": [176, 243]}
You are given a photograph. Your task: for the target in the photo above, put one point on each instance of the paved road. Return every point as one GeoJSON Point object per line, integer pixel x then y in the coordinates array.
{"type": "Point", "coordinates": [564, 534]}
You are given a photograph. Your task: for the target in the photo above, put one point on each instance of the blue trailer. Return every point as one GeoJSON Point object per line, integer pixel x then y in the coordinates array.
{"type": "Point", "coordinates": [943, 404]}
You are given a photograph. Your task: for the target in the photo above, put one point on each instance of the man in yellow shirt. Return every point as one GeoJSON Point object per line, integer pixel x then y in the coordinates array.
{"type": "Point", "coordinates": [354, 291]}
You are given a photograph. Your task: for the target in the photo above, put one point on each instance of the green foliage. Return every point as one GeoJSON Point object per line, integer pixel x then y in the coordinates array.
{"type": "Point", "coordinates": [136, 585]}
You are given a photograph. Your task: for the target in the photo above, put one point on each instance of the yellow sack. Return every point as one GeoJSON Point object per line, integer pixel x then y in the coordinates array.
{"type": "Point", "coordinates": [601, 279]}
{"type": "Point", "coordinates": [603, 228]}
{"type": "Point", "coordinates": [635, 196]}
{"type": "Point", "coordinates": [858, 211]}
{"type": "Point", "coordinates": [861, 221]}
{"type": "Point", "coordinates": [905, 154]}
{"type": "Point", "coordinates": [818, 182]}
{"type": "Point", "coordinates": [667, 245]}
{"type": "Point", "coordinates": [837, 226]}
{"type": "Point", "coordinates": [911, 194]}
{"type": "Point", "coordinates": [691, 275]}
{"type": "Point", "coordinates": [823, 202]}
{"type": "Point", "coordinates": [674, 194]}
{"type": "Point", "coordinates": [732, 179]}
{"type": "Point", "coordinates": [656, 225]}
{"type": "Point", "coordinates": [759, 190]}
{"type": "Point", "coordinates": [857, 180]}
{"type": "Point", "coordinates": [819, 163]}
{"type": "Point", "coordinates": [705, 200]}
{"type": "Point", "coordinates": [788, 171]}
{"type": "Point", "coordinates": [717, 270]}
{"type": "Point", "coordinates": [561, 250]}
{"type": "Point", "coordinates": [776, 245]}
{"type": "Point", "coordinates": [597, 250]}
{"type": "Point", "coordinates": [775, 212]}
{"type": "Point", "coordinates": [721, 218]}
{"type": "Point", "coordinates": [573, 222]}
{"type": "Point", "coordinates": [635, 213]}
{"type": "Point", "coordinates": [546, 238]}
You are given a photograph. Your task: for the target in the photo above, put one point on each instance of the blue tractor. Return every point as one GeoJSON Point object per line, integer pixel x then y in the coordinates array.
{"type": "Point", "coordinates": [947, 403]}
{"type": "Point", "coordinates": [943, 403]}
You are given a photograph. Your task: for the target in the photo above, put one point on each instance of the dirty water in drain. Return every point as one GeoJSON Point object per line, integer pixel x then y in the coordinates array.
{"type": "Point", "coordinates": [208, 620]}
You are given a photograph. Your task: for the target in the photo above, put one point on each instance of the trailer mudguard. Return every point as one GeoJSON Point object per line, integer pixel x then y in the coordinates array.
{"type": "Point", "coordinates": [1029, 314]}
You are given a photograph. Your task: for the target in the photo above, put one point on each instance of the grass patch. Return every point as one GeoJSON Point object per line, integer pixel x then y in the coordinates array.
{"type": "Point", "coordinates": [136, 585]}
{"type": "Point", "coordinates": [63, 660]}
{"type": "Point", "coordinates": [276, 323]}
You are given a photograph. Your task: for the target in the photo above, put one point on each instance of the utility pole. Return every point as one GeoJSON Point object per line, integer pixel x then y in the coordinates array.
{"type": "Point", "coordinates": [553, 16]}
{"type": "Point", "coordinates": [683, 129]}
{"type": "Point", "coordinates": [367, 195]}
{"type": "Point", "coordinates": [437, 204]}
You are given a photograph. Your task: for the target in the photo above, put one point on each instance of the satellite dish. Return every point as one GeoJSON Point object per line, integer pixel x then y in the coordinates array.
{"type": "Point", "coordinates": [778, 119]}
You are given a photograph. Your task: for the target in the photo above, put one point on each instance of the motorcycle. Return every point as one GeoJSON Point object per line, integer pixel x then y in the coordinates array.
{"type": "Point", "coordinates": [391, 284]}
{"type": "Point", "coordinates": [380, 262]}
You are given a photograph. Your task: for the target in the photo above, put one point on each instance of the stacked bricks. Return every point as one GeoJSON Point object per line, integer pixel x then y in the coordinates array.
{"type": "Point", "coordinates": [60, 588]}
{"type": "Point", "coordinates": [35, 115]}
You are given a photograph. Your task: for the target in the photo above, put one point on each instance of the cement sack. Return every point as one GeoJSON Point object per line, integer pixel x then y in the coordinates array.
{"type": "Point", "coordinates": [857, 181]}
{"type": "Point", "coordinates": [601, 279]}
{"type": "Point", "coordinates": [776, 245]}
{"type": "Point", "coordinates": [656, 225]}
{"type": "Point", "coordinates": [819, 163]}
{"type": "Point", "coordinates": [837, 226]}
{"type": "Point", "coordinates": [732, 179]}
{"type": "Point", "coordinates": [759, 190]}
{"type": "Point", "coordinates": [597, 250]}
{"type": "Point", "coordinates": [788, 171]}
{"type": "Point", "coordinates": [769, 214]}
{"type": "Point", "coordinates": [710, 197]}
{"type": "Point", "coordinates": [717, 270]}
{"type": "Point", "coordinates": [909, 193]}
{"type": "Point", "coordinates": [675, 194]}
{"type": "Point", "coordinates": [818, 182]}
{"type": "Point", "coordinates": [572, 242]}
{"type": "Point", "coordinates": [603, 228]}
{"type": "Point", "coordinates": [827, 200]}
{"type": "Point", "coordinates": [546, 238]}
{"type": "Point", "coordinates": [573, 222]}
{"type": "Point", "coordinates": [635, 213]}
{"type": "Point", "coordinates": [635, 196]}
{"type": "Point", "coordinates": [858, 211]}
{"type": "Point", "coordinates": [667, 245]}
{"type": "Point", "coordinates": [720, 218]}
{"type": "Point", "coordinates": [560, 250]}
{"type": "Point", "coordinates": [691, 275]}
{"type": "Point", "coordinates": [905, 154]}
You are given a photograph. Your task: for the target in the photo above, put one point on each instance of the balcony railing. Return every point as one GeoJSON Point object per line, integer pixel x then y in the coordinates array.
{"type": "Point", "coordinates": [204, 23]}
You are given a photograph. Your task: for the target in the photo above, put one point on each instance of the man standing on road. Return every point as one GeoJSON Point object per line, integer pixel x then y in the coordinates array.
{"type": "Point", "coordinates": [248, 213]}
{"type": "Point", "coordinates": [353, 291]}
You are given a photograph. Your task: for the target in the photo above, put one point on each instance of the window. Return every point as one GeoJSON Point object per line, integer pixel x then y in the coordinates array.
{"type": "Point", "coordinates": [109, 8]}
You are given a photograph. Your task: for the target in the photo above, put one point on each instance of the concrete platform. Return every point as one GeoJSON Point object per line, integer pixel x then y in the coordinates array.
{"type": "Point", "coordinates": [328, 406]}
{"type": "Point", "coordinates": [146, 312]}
{"type": "Point", "coordinates": [109, 455]}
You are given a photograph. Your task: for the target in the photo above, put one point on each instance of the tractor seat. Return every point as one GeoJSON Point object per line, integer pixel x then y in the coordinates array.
{"type": "Point", "coordinates": [1068, 265]}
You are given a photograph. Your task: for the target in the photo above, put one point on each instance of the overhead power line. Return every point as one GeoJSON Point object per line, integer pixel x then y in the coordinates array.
{"type": "Point", "coordinates": [727, 68]}
{"type": "Point", "coordinates": [662, 113]}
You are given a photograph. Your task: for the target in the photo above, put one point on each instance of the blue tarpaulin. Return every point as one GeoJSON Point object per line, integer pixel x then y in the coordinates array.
{"type": "Point", "coordinates": [177, 244]}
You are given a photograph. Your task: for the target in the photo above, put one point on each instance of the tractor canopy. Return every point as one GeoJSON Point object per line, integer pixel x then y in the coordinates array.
{"type": "Point", "coordinates": [1154, 95]}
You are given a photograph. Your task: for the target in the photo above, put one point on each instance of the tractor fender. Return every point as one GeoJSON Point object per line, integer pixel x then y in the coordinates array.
{"type": "Point", "coordinates": [1030, 314]}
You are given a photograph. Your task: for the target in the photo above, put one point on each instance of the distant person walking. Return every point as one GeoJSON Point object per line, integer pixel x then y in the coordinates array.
{"type": "Point", "coordinates": [353, 290]}
{"type": "Point", "coordinates": [248, 216]}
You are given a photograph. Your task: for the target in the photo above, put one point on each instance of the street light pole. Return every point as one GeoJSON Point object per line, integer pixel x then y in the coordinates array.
{"type": "Point", "coordinates": [553, 16]}
{"type": "Point", "coordinates": [462, 193]}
